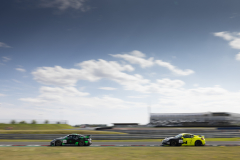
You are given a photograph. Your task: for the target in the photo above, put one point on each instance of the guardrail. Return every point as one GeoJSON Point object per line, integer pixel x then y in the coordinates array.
{"type": "Point", "coordinates": [116, 137]}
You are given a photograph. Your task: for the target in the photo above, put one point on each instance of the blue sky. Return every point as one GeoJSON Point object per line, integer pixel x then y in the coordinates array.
{"type": "Point", "coordinates": [104, 61]}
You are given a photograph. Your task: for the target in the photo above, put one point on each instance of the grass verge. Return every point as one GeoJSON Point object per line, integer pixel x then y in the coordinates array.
{"type": "Point", "coordinates": [56, 132]}
{"type": "Point", "coordinates": [119, 153]}
{"type": "Point", "coordinates": [137, 140]}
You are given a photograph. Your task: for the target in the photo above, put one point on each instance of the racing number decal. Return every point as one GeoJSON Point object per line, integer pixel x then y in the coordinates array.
{"type": "Point", "coordinates": [185, 142]}
{"type": "Point", "coordinates": [64, 141]}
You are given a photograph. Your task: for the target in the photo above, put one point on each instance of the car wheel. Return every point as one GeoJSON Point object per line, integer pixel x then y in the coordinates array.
{"type": "Point", "coordinates": [81, 143]}
{"type": "Point", "coordinates": [173, 143]}
{"type": "Point", "coordinates": [198, 143]}
{"type": "Point", "coordinates": [58, 143]}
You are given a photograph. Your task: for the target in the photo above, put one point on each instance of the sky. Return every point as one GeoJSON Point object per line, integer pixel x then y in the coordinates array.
{"type": "Point", "coordinates": [105, 61]}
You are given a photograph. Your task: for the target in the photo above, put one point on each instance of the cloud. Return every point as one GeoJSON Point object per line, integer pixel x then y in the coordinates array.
{"type": "Point", "coordinates": [4, 45]}
{"type": "Point", "coordinates": [225, 35]}
{"type": "Point", "coordinates": [199, 99]}
{"type": "Point", "coordinates": [70, 96]}
{"type": "Point", "coordinates": [233, 38]}
{"type": "Point", "coordinates": [167, 83]}
{"type": "Point", "coordinates": [55, 94]}
{"type": "Point", "coordinates": [91, 70]}
{"type": "Point", "coordinates": [141, 96]}
{"type": "Point", "coordinates": [208, 91]}
{"type": "Point", "coordinates": [107, 88]}
{"type": "Point", "coordinates": [238, 57]}
{"type": "Point", "coordinates": [6, 59]}
{"type": "Point", "coordinates": [64, 4]}
{"type": "Point", "coordinates": [137, 57]}
{"type": "Point", "coordinates": [174, 69]}
{"type": "Point", "coordinates": [20, 69]}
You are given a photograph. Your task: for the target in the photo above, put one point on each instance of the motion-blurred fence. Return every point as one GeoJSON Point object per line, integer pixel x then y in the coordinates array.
{"type": "Point", "coordinates": [30, 121]}
{"type": "Point", "coordinates": [116, 136]}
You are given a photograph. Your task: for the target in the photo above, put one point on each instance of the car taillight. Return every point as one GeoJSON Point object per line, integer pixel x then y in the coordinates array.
{"type": "Point", "coordinates": [202, 138]}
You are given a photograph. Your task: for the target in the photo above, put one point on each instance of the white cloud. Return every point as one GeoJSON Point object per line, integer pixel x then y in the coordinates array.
{"type": "Point", "coordinates": [225, 35]}
{"type": "Point", "coordinates": [91, 70]}
{"type": "Point", "coordinates": [167, 83]}
{"type": "Point", "coordinates": [136, 57]}
{"type": "Point", "coordinates": [64, 4]}
{"type": "Point", "coordinates": [70, 96]}
{"type": "Point", "coordinates": [58, 76]}
{"type": "Point", "coordinates": [208, 91]}
{"type": "Point", "coordinates": [6, 59]}
{"type": "Point", "coordinates": [140, 96]}
{"type": "Point", "coordinates": [174, 69]}
{"type": "Point", "coordinates": [4, 45]}
{"type": "Point", "coordinates": [20, 69]}
{"type": "Point", "coordinates": [233, 38]}
{"type": "Point", "coordinates": [55, 94]}
{"type": "Point", "coordinates": [199, 100]}
{"type": "Point", "coordinates": [238, 57]}
{"type": "Point", "coordinates": [107, 88]}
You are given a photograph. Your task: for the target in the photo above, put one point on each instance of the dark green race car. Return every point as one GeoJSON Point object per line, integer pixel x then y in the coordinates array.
{"type": "Point", "coordinates": [72, 139]}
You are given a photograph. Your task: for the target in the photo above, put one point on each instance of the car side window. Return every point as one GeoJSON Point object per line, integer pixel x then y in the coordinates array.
{"type": "Point", "coordinates": [69, 137]}
{"type": "Point", "coordinates": [187, 136]}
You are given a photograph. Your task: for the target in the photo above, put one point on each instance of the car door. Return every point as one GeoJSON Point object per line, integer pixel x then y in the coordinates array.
{"type": "Point", "coordinates": [75, 139]}
{"type": "Point", "coordinates": [187, 140]}
{"type": "Point", "coordinates": [70, 139]}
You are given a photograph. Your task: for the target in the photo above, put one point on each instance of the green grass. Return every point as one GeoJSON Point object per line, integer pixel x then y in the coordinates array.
{"type": "Point", "coordinates": [35, 126]}
{"type": "Point", "coordinates": [120, 153]}
{"type": "Point", "coordinates": [137, 140]}
{"type": "Point", "coordinates": [56, 132]}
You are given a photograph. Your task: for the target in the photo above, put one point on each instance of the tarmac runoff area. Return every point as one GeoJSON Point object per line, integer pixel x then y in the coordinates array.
{"type": "Point", "coordinates": [114, 144]}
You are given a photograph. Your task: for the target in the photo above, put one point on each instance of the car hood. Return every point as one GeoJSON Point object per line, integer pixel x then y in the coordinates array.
{"type": "Point", "coordinates": [169, 138]}
{"type": "Point", "coordinates": [60, 138]}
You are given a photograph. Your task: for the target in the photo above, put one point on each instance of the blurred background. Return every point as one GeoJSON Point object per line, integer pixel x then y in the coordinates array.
{"type": "Point", "coordinates": [139, 69]}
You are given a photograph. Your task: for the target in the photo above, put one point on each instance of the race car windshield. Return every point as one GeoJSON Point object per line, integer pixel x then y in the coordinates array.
{"type": "Point", "coordinates": [178, 136]}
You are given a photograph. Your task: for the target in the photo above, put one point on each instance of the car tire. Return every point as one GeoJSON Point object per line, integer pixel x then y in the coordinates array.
{"type": "Point", "coordinates": [81, 143]}
{"type": "Point", "coordinates": [198, 143]}
{"type": "Point", "coordinates": [173, 143]}
{"type": "Point", "coordinates": [58, 143]}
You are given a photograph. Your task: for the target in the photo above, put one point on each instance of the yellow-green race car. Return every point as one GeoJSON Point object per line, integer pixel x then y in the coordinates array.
{"type": "Point", "coordinates": [184, 139]}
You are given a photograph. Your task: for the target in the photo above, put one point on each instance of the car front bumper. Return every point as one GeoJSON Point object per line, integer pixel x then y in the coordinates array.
{"type": "Point", "coordinates": [52, 143]}
{"type": "Point", "coordinates": [164, 143]}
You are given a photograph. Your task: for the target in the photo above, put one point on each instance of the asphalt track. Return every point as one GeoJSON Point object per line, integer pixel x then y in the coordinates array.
{"type": "Point", "coordinates": [120, 144]}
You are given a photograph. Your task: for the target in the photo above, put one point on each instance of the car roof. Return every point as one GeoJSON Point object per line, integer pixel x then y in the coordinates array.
{"type": "Point", "coordinates": [74, 134]}
{"type": "Point", "coordinates": [186, 133]}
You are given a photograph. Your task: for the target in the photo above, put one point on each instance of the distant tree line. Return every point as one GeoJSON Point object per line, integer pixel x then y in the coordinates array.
{"type": "Point", "coordinates": [33, 122]}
